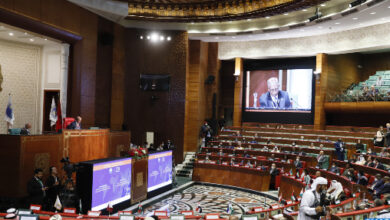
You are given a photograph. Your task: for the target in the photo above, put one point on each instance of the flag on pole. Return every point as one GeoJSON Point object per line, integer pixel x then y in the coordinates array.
{"type": "Point", "coordinates": [291, 172]}
{"type": "Point", "coordinates": [293, 198]}
{"type": "Point", "coordinates": [297, 175]}
{"type": "Point", "coordinates": [109, 208]}
{"type": "Point", "coordinates": [58, 204]}
{"type": "Point", "coordinates": [80, 206]}
{"type": "Point", "coordinates": [230, 209]}
{"type": "Point", "coordinates": [198, 208]}
{"type": "Point", "coordinates": [59, 117]}
{"type": "Point", "coordinates": [53, 113]}
{"type": "Point", "coordinates": [280, 198]}
{"type": "Point", "coordinates": [9, 114]}
{"type": "Point", "coordinates": [140, 211]}
{"type": "Point", "coordinates": [301, 193]}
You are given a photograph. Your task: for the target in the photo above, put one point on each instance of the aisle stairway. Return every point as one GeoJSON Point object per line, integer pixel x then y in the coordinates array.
{"type": "Point", "coordinates": [185, 169]}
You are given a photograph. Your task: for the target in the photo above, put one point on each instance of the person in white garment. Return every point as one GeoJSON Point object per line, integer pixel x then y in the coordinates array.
{"type": "Point", "coordinates": [310, 207]}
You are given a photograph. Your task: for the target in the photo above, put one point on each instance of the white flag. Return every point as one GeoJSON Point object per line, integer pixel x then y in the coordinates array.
{"type": "Point", "coordinates": [53, 113]}
{"type": "Point", "coordinates": [58, 204]}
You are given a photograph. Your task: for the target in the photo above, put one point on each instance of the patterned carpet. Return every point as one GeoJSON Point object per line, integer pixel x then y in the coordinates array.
{"type": "Point", "coordinates": [212, 199]}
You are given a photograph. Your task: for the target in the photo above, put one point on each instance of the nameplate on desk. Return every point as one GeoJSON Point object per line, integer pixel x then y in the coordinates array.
{"type": "Point", "coordinates": [212, 217]}
{"type": "Point", "coordinates": [258, 168]}
{"type": "Point", "coordinates": [208, 153]}
{"type": "Point", "coordinates": [70, 210]}
{"type": "Point", "coordinates": [224, 163]}
{"type": "Point", "coordinates": [236, 165]}
{"type": "Point", "coordinates": [289, 202]}
{"type": "Point", "coordinates": [94, 213]}
{"type": "Point", "coordinates": [200, 161]}
{"type": "Point", "coordinates": [254, 157]}
{"type": "Point", "coordinates": [275, 206]}
{"type": "Point", "coordinates": [36, 207]}
{"type": "Point", "coordinates": [212, 162]}
{"type": "Point", "coordinates": [247, 166]}
{"type": "Point", "coordinates": [258, 209]}
{"type": "Point", "coordinates": [187, 213]}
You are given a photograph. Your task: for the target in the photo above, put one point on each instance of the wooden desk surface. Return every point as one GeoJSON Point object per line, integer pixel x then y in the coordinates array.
{"type": "Point", "coordinates": [234, 176]}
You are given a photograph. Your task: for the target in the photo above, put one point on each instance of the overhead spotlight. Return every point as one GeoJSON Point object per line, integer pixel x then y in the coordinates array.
{"type": "Point", "coordinates": [154, 37]}
{"type": "Point", "coordinates": [316, 16]}
{"type": "Point", "coordinates": [168, 38]}
{"type": "Point", "coordinates": [148, 37]}
{"type": "Point", "coordinates": [356, 3]}
{"type": "Point", "coordinates": [31, 39]}
{"type": "Point", "coordinates": [141, 37]}
{"type": "Point", "coordinates": [11, 34]}
{"type": "Point", "coordinates": [162, 38]}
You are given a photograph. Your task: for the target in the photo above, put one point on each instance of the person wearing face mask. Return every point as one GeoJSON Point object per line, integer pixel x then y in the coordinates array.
{"type": "Point", "coordinates": [273, 172]}
{"type": "Point", "coordinates": [311, 206]}
{"type": "Point", "coordinates": [377, 184]}
{"type": "Point", "coordinates": [362, 179]}
{"type": "Point", "coordinates": [298, 163]}
{"type": "Point", "coordinates": [334, 169]}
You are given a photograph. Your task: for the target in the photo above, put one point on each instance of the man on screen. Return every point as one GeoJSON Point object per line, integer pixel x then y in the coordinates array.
{"type": "Point", "coordinates": [274, 98]}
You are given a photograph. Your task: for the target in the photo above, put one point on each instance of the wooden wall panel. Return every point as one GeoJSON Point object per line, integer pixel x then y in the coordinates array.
{"type": "Point", "coordinates": [118, 79]}
{"type": "Point", "coordinates": [119, 140]}
{"type": "Point", "coordinates": [41, 151]}
{"type": "Point", "coordinates": [10, 165]}
{"type": "Point", "coordinates": [164, 115]}
{"type": "Point", "coordinates": [227, 86]}
{"type": "Point", "coordinates": [321, 91]}
{"type": "Point", "coordinates": [83, 145]}
{"type": "Point", "coordinates": [238, 87]}
{"type": "Point", "coordinates": [374, 62]}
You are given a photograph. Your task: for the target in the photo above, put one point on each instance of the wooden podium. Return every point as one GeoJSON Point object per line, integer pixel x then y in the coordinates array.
{"type": "Point", "coordinates": [20, 155]}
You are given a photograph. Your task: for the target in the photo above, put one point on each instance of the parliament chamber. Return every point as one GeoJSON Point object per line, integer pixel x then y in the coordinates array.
{"type": "Point", "coordinates": [197, 109]}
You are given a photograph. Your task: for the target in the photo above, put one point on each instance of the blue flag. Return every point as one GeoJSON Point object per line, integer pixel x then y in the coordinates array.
{"type": "Point", "coordinates": [9, 114]}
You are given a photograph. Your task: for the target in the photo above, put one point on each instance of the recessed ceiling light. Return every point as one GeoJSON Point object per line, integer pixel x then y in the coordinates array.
{"type": "Point", "coordinates": [192, 23]}
{"type": "Point", "coordinates": [285, 14]}
{"type": "Point", "coordinates": [372, 13]}
{"type": "Point", "coordinates": [323, 5]}
{"type": "Point", "coordinates": [168, 38]}
{"type": "Point", "coordinates": [249, 19]}
{"type": "Point", "coordinates": [234, 37]}
{"type": "Point", "coordinates": [319, 27]}
{"type": "Point", "coordinates": [216, 38]}
{"type": "Point", "coordinates": [354, 18]}
{"type": "Point", "coordinates": [11, 34]}
{"type": "Point", "coordinates": [45, 39]}
{"type": "Point", "coordinates": [162, 38]}
{"type": "Point", "coordinates": [25, 33]}
{"type": "Point", "coordinates": [267, 17]}
{"type": "Point", "coordinates": [337, 23]}
{"type": "Point", "coordinates": [304, 9]}
{"type": "Point", "coordinates": [302, 29]}
{"type": "Point", "coordinates": [148, 37]}
{"type": "Point", "coordinates": [31, 39]}
{"type": "Point", "coordinates": [388, 7]}
{"type": "Point", "coordinates": [141, 37]}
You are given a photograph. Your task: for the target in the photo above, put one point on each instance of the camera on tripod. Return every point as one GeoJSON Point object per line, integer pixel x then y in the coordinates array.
{"type": "Point", "coordinates": [68, 167]}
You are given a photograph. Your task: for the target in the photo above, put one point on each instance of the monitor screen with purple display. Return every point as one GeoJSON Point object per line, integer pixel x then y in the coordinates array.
{"type": "Point", "coordinates": [111, 183]}
{"type": "Point", "coordinates": [159, 170]}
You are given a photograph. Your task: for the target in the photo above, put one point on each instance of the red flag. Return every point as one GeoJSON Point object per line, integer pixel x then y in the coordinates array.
{"type": "Point", "coordinates": [280, 198]}
{"type": "Point", "coordinates": [59, 116]}
{"type": "Point", "coordinates": [109, 208]}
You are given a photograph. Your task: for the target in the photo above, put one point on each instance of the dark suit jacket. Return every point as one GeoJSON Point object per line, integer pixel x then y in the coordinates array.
{"type": "Point", "coordinates": [340, 150]}
{"type": "Point", "coordinates": [385, 189]}
{"type": "Point", "coordinates": [298, 164]}
{"type": "Point", "coordinates": [73, 125]}
{"type": "Point", "coordinates": [24, 131]}
{"type": "Point", "coordinates": [378, 185]}
{"type": "Point", "coordinates": [53, 190]}
{"type": "Point", "coordinates": [34, 189]}
{"type": "Point", "coordinates": [283, 100]}
{"type": "Point", "coordinates": [274, 172]}
{"type": "Point", "coordinates": [334, 170]}
{"type": "Point", "coordinates": [380, 166]}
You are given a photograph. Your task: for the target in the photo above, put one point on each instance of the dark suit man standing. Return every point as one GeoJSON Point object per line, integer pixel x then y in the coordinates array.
{"type": "Point", "coordinates": [76, 124]}
{"type": "Point", "coordinates": [298, 163]}
{"type": "Point", "coordinates": [339, 147]}
{"type": "Point", "coordinates": [274, 98]}
{"type": "Point", "coordinates": [35, 188]}
{"type": "Point", "coordinates": [54, 187]}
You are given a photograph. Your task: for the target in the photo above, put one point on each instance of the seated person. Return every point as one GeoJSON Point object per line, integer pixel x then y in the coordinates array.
{"type": "Point", "coordinates": [274, 98]}
{"type": "Point", "coordinates": [321, 146]}
{"type": "Point", "coordinates": [317, 174]}
{"type": "Point", "coordinates": [362, 179]}
{"type": "Point", "coordinates": [377, 184]}
{"type": "Point", "coordinates": [361, 160]}
{"type": "Point", "coordinates": [350, 174]}
{"type": "Point", "coordinates": [312, 145]}
{"type": "Point", "coordinates": [383, 153]}
{"type": "Point", "coordinates": [298, 163]}
{"type": "Point", "coordinates": [220, 153]}
{"type": "Point", "coordinates": [275, 149]}
{"type": "Point", "coordinates": [272, 158]}
{"type": "Point", "coordinates": [369, 162]}
{"type": "Point", "coordinates": [334, 169]}
{"type": "Point", "coordinates": [75, 124]}
{"type": "Point", "coordinates": [26, 129]}
{"type": "Point", "coordinates": [359, 146]}
{"type": "Point", "coordinates": [269, 141]}
{"type": "Point", "coordinates": [249, 164]}
{"type": "Point", "coordinates": [378, 165]}
{"type": "Point", "coordinates": [385, 189]}
{"type": "Point", "coordinates": [353, 159]}
{"type": "Point", "coordinates": [370, 152]}
{"type": "Point", "coordinates": [265, 148]}
{"type": "Point", "coordinates": [253, 141]}
{"type": "Point", "coordinates": [335, 193]}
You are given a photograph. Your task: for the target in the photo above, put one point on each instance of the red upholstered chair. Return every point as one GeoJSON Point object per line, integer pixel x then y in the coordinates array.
{"type": "Point", "coordinates": [341, 171]}
{"type": "Point", "coordinates": [303, 165]}
{"type": "Point", "coordinates": [68, 121]}
{"type": "Point", "coordinates": [277, 180]}
{"type": "Point", "coordinates": [261, 157]}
